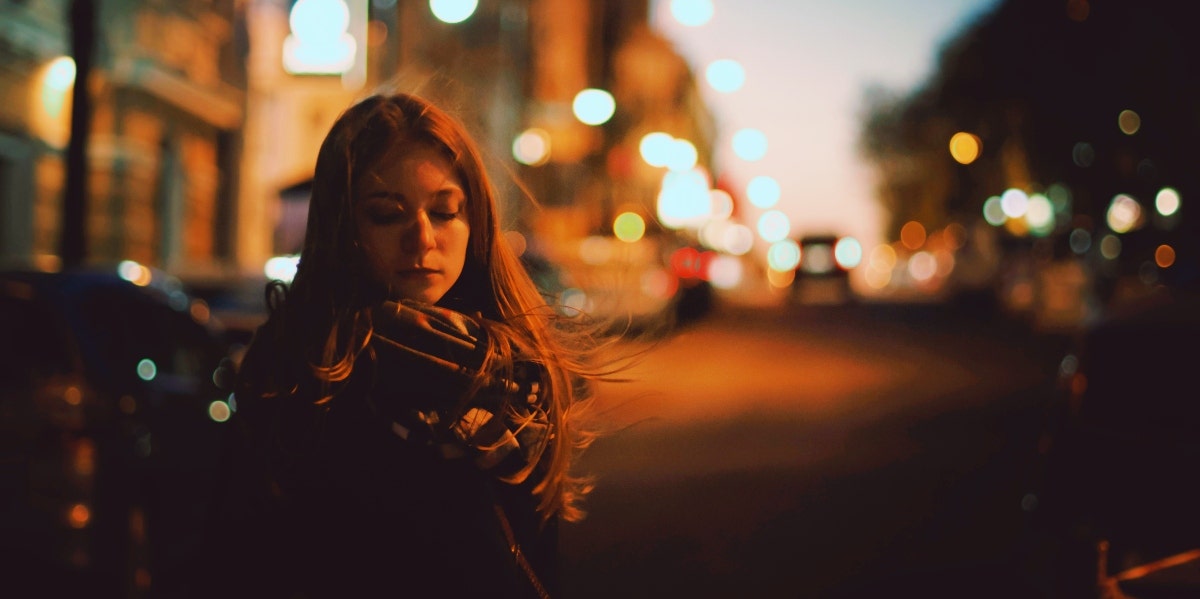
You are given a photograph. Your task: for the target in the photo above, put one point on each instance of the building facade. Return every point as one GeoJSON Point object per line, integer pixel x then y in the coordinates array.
{"type": "Point", "coordinates": [166, 95]}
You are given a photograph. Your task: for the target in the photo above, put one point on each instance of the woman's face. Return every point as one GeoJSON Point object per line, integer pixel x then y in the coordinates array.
{"type": "Point", "coordinates": [410, 210]}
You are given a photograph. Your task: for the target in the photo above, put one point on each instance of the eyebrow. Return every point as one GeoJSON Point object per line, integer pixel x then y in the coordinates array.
{"type": "Point", "coordinates": [450, 191]}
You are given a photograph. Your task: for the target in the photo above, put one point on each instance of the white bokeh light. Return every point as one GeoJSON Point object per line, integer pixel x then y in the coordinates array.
{"type": "Point", "coordinates": [319, 41]}
{"type": "Point", "coordinates": [725, 272]}
{"type": "Point", "coordinates": [593, 106]}
{"type": "Point", "coordinates": [737, 239]}
{"type": "Point", "coordinates": [1014, 202]}
{"type": "Point", "coordinates": [725, 75]}
{"type": "Point", "coordinates": [774, 226]}
{"type": "Point", "coordinates": [453, 11]}
{"type": "Point", "coordinates": [681, 155]}
{"type": "Point", "coordinates": [783, 255]}
{"type": "Point", "coordinates": [684, 200]}
{"type": "Point", "coordinates": [1124, 214]}
{"type": "Point", "coordinates": [692, 13]}
{"type": "Point", "coordinates": [1166, 202]}
{"type": "Point", "coordinates": [532, 146]}
{"type": "Point", "coordinates": [655, 148]}
{"type": "Point", "coordinates": [750, 144]}
{"type": "Point", "coordinates": [763, 191]}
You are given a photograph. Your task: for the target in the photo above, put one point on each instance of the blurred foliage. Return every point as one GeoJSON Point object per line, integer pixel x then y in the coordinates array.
{"type": "Point", "coordinates": [1032, 79]}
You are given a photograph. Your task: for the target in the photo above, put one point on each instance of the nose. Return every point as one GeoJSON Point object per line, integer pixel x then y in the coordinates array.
{"type": "Point", "coordinates": [420, 237]}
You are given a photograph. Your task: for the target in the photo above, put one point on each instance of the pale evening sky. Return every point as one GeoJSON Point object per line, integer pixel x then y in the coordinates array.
{"type": "Point", "coordinates": [807, 63]}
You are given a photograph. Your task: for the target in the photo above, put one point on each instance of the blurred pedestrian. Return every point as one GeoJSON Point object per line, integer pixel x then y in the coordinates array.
{"type": "Point", "coordinates": [407, 417]}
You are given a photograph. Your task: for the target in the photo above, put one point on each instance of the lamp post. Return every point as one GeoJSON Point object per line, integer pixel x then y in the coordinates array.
{"type": "Point", "coordinates": [73, 239]}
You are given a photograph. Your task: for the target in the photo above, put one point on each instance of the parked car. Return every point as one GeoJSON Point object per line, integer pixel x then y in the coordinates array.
{"type": "Point", "coordinates": [1114, 491]}
{"type": "Point", "coordinates": [823, 274]}
{"type": "Point", "coordinates": [112, 396]}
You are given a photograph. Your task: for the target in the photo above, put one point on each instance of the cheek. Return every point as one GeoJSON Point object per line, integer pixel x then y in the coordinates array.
{"type": "Point", "coordinates": [458, 243]}
{"type": "Point", "coordinates": [376, 250]}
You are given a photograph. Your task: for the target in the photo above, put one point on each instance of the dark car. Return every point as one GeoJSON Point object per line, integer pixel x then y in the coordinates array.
{"type": "Point", "coordinates": [823, 275]}
{"type": "Point", "coordinates": [1115, 495]}
{"type": "Point", "coordinates": [113, 391]}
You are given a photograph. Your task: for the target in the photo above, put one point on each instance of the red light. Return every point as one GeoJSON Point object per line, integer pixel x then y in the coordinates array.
{"type": "Point", "coordinates": [686, 262]}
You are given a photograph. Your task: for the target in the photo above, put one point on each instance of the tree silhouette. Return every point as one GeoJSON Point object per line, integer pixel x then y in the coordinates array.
{"type": "Point", "coordinates": [1042, 84]}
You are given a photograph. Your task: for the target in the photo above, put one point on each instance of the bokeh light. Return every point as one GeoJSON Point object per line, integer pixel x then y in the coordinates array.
{"type": "Point", "coordinates": [60, 74]}
{"type": "Point", "coordinates": [593, 106]}
{"type": "Point", "coordinates": [146, 369]}
{"type": "Point", "coordinates": [783, 255]}
{"type": "Point", "coordinates": [1166, 202]}
{"type": "Point", "coordinates": [725, 75]}
{"type": "Point", "coordinates": [655, 148]}
{"type": "Point", "coordinates": [780, 279]}
{"type": "Point", "coordinates": [79, 515]}
{"type": "Point", "coordinates": [1040, 215]}
{"type": "Point", "coordinates": [1124, 214]}
{"type": "Point", "coordinates": [629, 227]}
{"type": "Point", "coordinates": [684, 199]}
{"type": "Point", "coordinates": [922, 266]}
{"type": "Point", "coordinates": [737, 239]}
{"type": "Point", "coordinates": [134, 273]}
{"type": "Point", "coordinates": [681, 155]}
{"type": "Point", "coordinates": [1110, 247]}
{"type": "Point", "coordinates": [1129, 122]}
{"type": "Point", "coordinates": [282, 268]}
{"type": "Point", "coordinates": [692, 13]}
{"type": "Point", "coordinates": [319, 41]}
{"type": "Point", "coordinates": [965, 147]}
{"type": "Point", "coordinates": [453, 11]}
{"type": "Point", "coordinates": [774, 226]}
{"type": "Point", "coordinates": [532, 147]}
{"type": "Point", "coordinates": [724, 272]}
{"type": "Point", "coordinates": [763, 191]}
{"type": "Point", "coordinates": [516, 242]}
{"type": "Point", "coordinates": [993, 213]}
{"type": "Point", "coordinates": [848, 252]}
{"type": "Point", "coordinates": [721, 202]}
{"type": "Point", "coordinates": [750, 144]}
{"type": "Point", "coordinates": [219, 411]}
{"type": "Point", "coordinates": [1014, 202]}
{"type": "Point", "coordinates": [200, 311]}
{"type": "Point", "coordinates": [912, 235]}
{"type": "Point", "coordinates": [1080, 241]}
{"type": "Point", "coordinates": [1164, 256]}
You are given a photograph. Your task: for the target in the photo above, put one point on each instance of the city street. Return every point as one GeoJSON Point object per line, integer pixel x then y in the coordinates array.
{"type": "Point", "coordinates": [850, 451]}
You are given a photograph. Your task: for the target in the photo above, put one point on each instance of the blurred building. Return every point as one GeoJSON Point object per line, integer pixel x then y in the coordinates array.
{"type": "Point", "coordinates": [206, 119]}
{"type": "Point", "coordinates": [167, 106]}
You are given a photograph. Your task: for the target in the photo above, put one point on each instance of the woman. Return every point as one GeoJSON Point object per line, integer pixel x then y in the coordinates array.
{"type": "Point", "coordinates": [410, 410]}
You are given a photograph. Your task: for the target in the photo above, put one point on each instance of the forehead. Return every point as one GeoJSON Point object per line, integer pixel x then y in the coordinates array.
{"type": "Point", "coordinates": [409, 163]}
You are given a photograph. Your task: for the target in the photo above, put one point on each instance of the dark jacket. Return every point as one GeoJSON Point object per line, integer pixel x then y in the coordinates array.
{"type": "Point", "coordinates": [322, 502]}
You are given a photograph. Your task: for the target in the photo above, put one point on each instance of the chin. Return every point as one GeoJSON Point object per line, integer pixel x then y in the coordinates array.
{"type": "Point", "coordinates": [428, 296]}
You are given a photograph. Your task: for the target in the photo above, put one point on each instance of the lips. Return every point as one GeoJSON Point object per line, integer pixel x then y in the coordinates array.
{"type": "Point", "coordinates": [417, 272]}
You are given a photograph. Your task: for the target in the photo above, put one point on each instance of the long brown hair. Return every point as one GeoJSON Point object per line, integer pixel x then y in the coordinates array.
{"type": "Point", "coordinates": [320, 324]}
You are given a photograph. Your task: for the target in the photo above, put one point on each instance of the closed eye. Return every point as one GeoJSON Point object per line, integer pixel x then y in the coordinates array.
{"type": "Point", "coordinates": [384, 216]}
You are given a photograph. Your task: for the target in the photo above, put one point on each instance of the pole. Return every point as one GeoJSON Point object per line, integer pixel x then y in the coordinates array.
{"type": "Point", "coordinates": [73, 240]}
